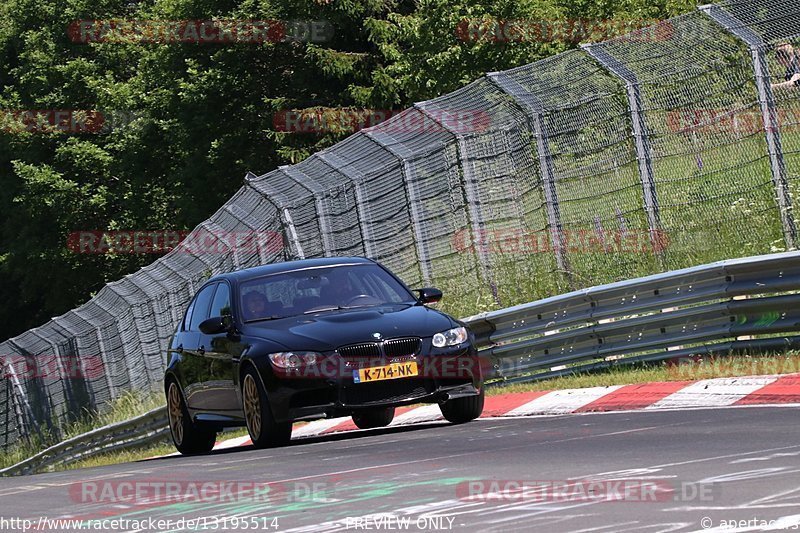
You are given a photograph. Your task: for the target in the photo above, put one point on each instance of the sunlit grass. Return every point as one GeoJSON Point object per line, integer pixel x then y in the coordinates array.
{"type": "Point", "coordinates": [154, 450]}
{"type": "Point", "coordinates": [129, 405]}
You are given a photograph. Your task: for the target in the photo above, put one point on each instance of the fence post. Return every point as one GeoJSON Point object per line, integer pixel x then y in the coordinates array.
{"type": "Point", "coordinates": [64, 378]}
{"type": "Point", "coordinates": [414, 200]}
{"type": "Point", "coordinates": [9, 404]}
{"type": "Point", "coordinates": [477, 220]}
{"type": "Point", "coordinates": [219, 232]}
{"type": "Point", "coordinates": [641, 136]}
{"type": "Point", "coordinates": [315, 189]}
{"type": "Point", "coordinates": [534, 110]}
{"type": "Point", "coordinates": [340, 166]}
{"type": "Point", "coordinates": [278, 200]}
{"type": "Point", "coordinates": [769, 115]}
{"type": "Point", "coordinates": [24, 408]}
{"type": "Point", "coordinates": [112, 390]}
{"type": "Point", "coordinates": [288, 222]}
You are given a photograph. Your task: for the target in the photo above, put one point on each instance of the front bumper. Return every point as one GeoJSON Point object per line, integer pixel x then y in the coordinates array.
{"type": "Point", "coordinates": [441, 377]}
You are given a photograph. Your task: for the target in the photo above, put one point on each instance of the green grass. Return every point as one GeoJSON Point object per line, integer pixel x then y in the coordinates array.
{"type": "Point", "coordinates": [128, 456]}
{"type": "Point", "coordinates": [129, 405]}
{"type": "Point", "coordinates": [702, 369]}
{"type": "Point", "coordinates": [716, 201]}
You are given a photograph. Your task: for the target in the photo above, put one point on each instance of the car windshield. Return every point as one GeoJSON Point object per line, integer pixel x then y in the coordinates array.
{"type": "Point", "coordinates": [319, 289]}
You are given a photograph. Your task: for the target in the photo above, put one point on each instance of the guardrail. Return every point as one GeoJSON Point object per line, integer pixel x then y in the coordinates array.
{"type": "Point", "coordinates": [140, 431]}
{"type": "Point", "coordinates": [709, 309]}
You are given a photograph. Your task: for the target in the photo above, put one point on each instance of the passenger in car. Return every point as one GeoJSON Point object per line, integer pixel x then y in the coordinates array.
{"type": "Point", "coordinates": [256, 306]}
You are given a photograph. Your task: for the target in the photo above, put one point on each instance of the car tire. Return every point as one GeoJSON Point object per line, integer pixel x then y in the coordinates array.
{"type": "Point", "coordinates": [376, 417]}
{"type": "Point", "coordinates": [464, 409]}
{"type": "Point", "coordinates": [188, 438]}
{"type": "Point", "coordinates": [264, 431]}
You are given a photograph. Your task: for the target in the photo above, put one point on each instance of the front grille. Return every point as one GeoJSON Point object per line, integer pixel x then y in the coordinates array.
{"type": "Point", "coordinates": [401, 347]}
{"type": "Point", "coordinates": [388, 348]}
{"type": "Point", "coordinates": [389, 391]}
{"type": "Point", "coordinates": [365, 349]}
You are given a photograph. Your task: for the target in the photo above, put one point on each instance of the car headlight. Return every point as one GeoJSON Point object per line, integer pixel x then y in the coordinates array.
{"type": "Point", "coordinates": [294, 359]}
{"type": "Point", "coordinates": [451, 337]}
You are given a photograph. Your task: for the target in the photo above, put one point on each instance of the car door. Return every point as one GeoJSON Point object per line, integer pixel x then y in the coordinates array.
{"type": "Point", "coordinates": [218, 351]}
{"type": "Point", "coordinates": [178, 339]}
{"type": "Point", "coordinates": [194, 365]}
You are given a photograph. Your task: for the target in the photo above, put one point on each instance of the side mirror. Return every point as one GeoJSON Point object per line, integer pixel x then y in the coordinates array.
{"type": "Point", "coordinates": [215, 324]}
{"type": "Point", "coordinates": [429, 295]}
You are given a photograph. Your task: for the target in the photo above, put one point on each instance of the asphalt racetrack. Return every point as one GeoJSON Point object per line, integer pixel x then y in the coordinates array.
{"type": "Point", "coordinates": [723, 469]}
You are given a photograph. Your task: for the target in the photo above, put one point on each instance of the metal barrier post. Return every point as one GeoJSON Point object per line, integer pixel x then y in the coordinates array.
{"type": "Point", "coordinates": [414, 201]}
{"type": "Point", "coordinates": [279, 201]}
{"type": "Point", "coordinates": [534, 110]}
{"type": "Point", "coordinates": [766, 101]}
{"type": "Point", "coordinates": [641, 136]}
{"type": "Point", "coordinates": [477, 219]}
{"type": "Point", "coordinates": [319, 200]}
{"type": "Point", "coordinates": [340, 166]}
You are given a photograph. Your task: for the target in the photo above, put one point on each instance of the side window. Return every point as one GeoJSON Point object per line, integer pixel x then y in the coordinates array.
{"type": "Point", "coordinates": [201, 306]}
{"type": "Point", "coordinates": [221, 305]}
{"type": "Point", "coordinates": [187, 318]}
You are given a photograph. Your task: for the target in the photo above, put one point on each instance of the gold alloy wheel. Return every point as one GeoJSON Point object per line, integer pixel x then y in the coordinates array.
{"type": "Point", "coordinates": [252, 407]}
{"type": "Point", "coordinates": [175, 409]}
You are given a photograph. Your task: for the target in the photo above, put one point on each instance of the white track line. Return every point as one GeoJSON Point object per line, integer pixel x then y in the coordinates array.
{"type": "Point", "coordinates": [562, 401]}
{"type": "Point", "coordinates": [232, 443]}
{"type": "Point", "coordinates": [426, 413]}
{"type": "Point", "coordinates": [713, 392]}
{"type": "Point", "coordinates": [318, 427]}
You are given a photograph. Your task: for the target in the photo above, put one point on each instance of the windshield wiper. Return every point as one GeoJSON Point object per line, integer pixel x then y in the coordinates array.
{"type": "Point", "coordinates": [323, 309]}
{"type": "Point", "coordinates": [261, 319]}
{"type": "Point", "coordinates": [362, 305]}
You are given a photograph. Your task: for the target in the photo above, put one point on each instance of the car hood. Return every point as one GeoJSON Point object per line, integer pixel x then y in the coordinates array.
{"type": "Point", "coordinates": [328, 330]}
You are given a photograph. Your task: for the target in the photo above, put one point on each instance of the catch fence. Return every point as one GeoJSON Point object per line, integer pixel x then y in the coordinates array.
{"type": "Point", "coordinates": [617, 160]}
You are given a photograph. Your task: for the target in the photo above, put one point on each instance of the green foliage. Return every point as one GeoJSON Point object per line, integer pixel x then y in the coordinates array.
{"type": "Point", "coordinates": [185, 121]}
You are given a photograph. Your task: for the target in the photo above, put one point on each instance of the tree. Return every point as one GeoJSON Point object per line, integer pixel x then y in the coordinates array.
{"type": "Point", "coordinates": [184, 121]}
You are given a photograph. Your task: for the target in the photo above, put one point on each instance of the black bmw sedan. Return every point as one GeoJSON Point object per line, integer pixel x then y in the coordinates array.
{"type": "Point", "coordinates": [319, 338]}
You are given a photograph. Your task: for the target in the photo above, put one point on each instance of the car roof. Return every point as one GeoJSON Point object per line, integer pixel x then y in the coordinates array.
{"type": "Point", "coordinates": [288, 266]}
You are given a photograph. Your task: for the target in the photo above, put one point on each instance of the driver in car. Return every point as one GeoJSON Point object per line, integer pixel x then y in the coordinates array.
{"type": "Point", "coordinates": [255, 305]}
{"type": "Point", "coordinates": [339, 290]}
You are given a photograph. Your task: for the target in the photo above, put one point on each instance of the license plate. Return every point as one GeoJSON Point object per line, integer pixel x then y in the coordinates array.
{"type": "Point", "coordinates": [379, 373]}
